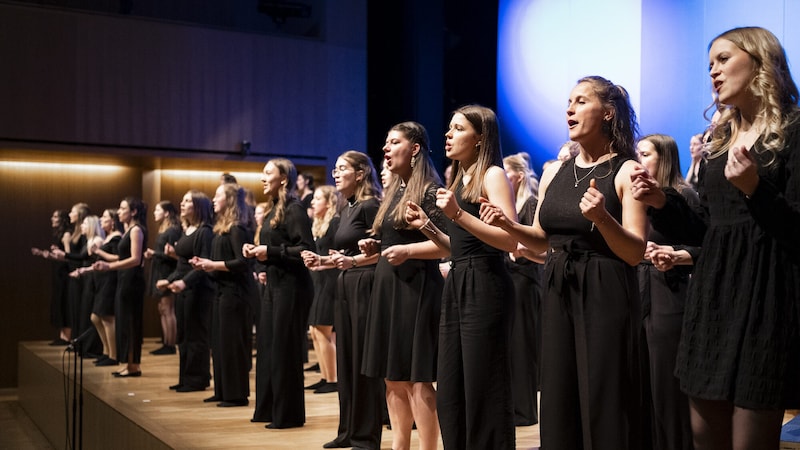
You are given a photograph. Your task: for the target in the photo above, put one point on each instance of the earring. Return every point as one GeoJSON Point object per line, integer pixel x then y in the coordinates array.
{"type": "Point", "coordinates": [413, 161]}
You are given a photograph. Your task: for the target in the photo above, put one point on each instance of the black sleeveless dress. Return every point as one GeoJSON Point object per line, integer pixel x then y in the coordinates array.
{"type": "Point", "coordinates": [129, 304]}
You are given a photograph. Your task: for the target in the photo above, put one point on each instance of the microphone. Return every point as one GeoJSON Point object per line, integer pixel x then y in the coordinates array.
{"type": "Point", "coordinates": [79, 339]}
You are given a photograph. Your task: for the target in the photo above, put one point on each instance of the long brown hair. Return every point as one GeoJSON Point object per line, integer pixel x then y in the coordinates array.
{"type": "Point", "coordinates": [484, 121]}
{"type": "Point", "coordinates": [669, 163]}
{"type": "Point", "coordinates": [286, 193]}
{"type": "Point", "coordinates": [370, 185]}
{"type": "Point", "coordinates": [423, 173]}
{"type": "Point", "coordinates": [171, 218]}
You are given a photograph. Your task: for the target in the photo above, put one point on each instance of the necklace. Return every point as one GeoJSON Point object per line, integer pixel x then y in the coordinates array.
{"type": "Point", "coordinates": [575, 169]}
{"type": "Point", "coordinates": [575, 172]}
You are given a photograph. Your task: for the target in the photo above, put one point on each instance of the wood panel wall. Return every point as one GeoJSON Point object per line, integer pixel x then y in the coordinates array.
{"type": "Point", "coordinates": [33, 183]}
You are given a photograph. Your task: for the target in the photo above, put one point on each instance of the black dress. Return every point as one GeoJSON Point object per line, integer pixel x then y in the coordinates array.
{"type": "Point", "coordinates": [231, 329]}
{"type": "Point", "coordinates": [740, 329]}
{"type": "Point", "coordinates": [106, 282]}
{"type": "Point", "coordinates": [321, 312]}
{"type": "Point", "coordinates": [193, 309]}
{"type": "Point", "coordinates": [402, 329]}
{"type": "Point", "coordinates": [666, 409]}
{"type": "Point", "coordinates": [474, 398]}
{"type": "Point", "coordinates": [59, 299]}
{"type": "Point", "coordinates": [526, 334]}
{"type": "Point", "coordinates": [161, 265]}
{"type": "Point", "coordinates": [590, 322]}
{"type": "Point", "coordinates": [361, 398]}
{"type": "Point", "coordinates": [75, 259]}
{"type": "Point", "coordinates": [129, 303]}
{"type": "Point", "coordinates": [281, 337]}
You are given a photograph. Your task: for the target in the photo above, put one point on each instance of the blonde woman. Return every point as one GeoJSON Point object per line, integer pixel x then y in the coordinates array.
{"type": "Point", "coordinates": [525, 268]}
{"type": "Point", "coordinates": [739, 349]}
{"type": "Point", "coordinates": [324, 205]}
{"type": "Point", "coordinates": [231, 318]}
{"type": "Point", "coordinates": [103, 315]}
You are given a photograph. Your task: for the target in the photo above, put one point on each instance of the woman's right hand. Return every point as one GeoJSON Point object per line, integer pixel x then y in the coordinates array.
{"type": "Point", "coordinates": [415, 216]}
{"type": "Point", "coordinates": [310, 259]}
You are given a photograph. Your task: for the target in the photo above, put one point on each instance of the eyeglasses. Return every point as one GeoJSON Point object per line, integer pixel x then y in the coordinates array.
{"type": "Point", "coordinates": [340, 169]}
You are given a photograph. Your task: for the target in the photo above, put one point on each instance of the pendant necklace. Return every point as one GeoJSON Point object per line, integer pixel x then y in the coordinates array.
{"type": "Point", "coordinates": [575, 172]}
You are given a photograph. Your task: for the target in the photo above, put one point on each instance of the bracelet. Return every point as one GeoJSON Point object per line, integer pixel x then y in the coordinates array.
{"type": "Point", "coordinates": [353, 260]}
{"type": "Point", "coordinates": [427, 226]}
{"type": "Point", "coordinates": [458, 215]}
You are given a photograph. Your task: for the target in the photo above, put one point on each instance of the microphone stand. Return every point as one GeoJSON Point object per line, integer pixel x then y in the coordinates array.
{"type": "Point", "coordinates": [77, 399]}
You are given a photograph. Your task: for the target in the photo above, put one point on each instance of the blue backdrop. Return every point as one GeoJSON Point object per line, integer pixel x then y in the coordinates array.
{"type": "Point", "coordinates": [656, 49]}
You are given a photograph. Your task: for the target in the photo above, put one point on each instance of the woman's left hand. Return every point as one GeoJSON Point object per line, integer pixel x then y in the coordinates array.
{"type": "Point", "coordinates": [742, 170]}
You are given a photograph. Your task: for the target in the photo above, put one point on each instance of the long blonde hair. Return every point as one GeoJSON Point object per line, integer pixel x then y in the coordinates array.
{"type": "Point", "coordinates": [236, 211]}
{"type": "Point", "coordinates": [83, 211]}
{"type": "Point", "coordinates": [423, 173]}
{"type": "Point", "coordinates": [320, 225]}
{"type": "Point", "coordinates": [772, 86]}
{"type": "Point", "coordinates": [529, 187]}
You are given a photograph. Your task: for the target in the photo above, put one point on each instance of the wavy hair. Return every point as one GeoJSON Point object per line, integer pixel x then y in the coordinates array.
{"type": "Point", "coordinates": [423, 173]}
{"type": "Point", "coordinates": [490, 153]}
{"type": "Point", "coordinates": [772, 86]}
{"type": "Point", "coordinates": [370, 184]}
{"type": "Point", "coordinates": [521, 163]}
{"type": "Point", "coordinates": [320, 224]}
{"type": "Point", "coordinates": [622, 129]}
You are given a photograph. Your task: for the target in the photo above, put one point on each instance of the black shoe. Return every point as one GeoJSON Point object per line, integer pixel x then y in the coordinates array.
{"type": "Point", "coordinates": [212, 399]}
{"type": "Point", "coordinates": [189, 389]}
{"type": "Point", "coordinates": [138, 373]}
{"type": "Point", "coordinates": [101, 358]}
{"type": "Point", "coordinates": [106, 362]}
{"type": "Point", "coordinates": [314, 368]}
{"type": "Point", "coordinates": [175, 387]}
{"type": "Point", "coordinates": [327, 388]}
{"type": "Point", "coordinates": [164, 350]}
{"type": "Point", "coordinates": [232, 403]}
{"type": "Point", "coordinates": [316, 385]}
{"type": "Point", "coordinates": [336, 444]}
{"type": "Point", "coordinates": [58, 341]}
{"type": "Point", "coordinates": [274, 426]}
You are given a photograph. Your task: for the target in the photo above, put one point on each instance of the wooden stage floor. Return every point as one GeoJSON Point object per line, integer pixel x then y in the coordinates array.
{"type": "Point", "coordinates": [143, 413]}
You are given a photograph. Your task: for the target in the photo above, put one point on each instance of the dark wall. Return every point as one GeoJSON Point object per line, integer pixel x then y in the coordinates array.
{"type": "Point", "coordinates": [425, 59]}
{"type": "Point", "coordinates": [88, 79]}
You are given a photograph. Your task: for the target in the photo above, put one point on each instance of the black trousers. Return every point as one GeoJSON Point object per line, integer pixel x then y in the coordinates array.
{"type": "Point", "coordinates": [526, 341]}
{"type": "Point", "coordinates": [361, 398]}
{"type": "Point", "coordinates": [231, 345]}
{"type": "Point", "coordinates": [664, 297]}
{"type": "Point", "coordinates": [590, 354]}
{"type": "Point", "coordinates": [474, 398]}
{"type": "Point", "coordinates": [129, 307]}
{"type": "Point", "coordinates": [193, 313]}
{"type": "Point", "coordinates": [280, 340]}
